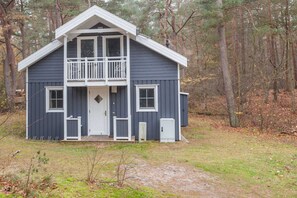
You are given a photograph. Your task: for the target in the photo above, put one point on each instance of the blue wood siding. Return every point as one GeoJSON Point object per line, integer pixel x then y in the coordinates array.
{"type": "Point", "coordinates": [43, 125]}
{"type": "Point", "coordinates": [184, 110]}
{"type": "Point", "coordinates": [118, 105]}
{"type": "Point", "coordinates": [122, 128]}
{"type": "Point", "coordinates": [72, 130]}
{"type": "Point", "coordinates": [48, 69]}
{"type": "Point", "coordinates": [46, 72]}
{"type": "Point", "coordinates": [147, 64]}
{"type": "Point", "coordinates": [149, 67]}
{"type": "Point", "coordinates": [168, 108]}
{"type": "Point", "coordinates": [77, 105]}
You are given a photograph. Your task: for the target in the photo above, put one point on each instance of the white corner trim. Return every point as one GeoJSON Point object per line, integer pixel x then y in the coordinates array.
{"type": "Point", "coordinates": [112, 36]}
{"type": "Point", "coordinates": [157, 47]}
{"type": "Point", "coordinates": [47, 89]}
{"type": "Point", "coordinates": [88, 106]}
{"type": "Point", "coordinates": [27, 104]}
{"type": "Point", "coordinates": [33, 58]}
{"type": "Point", "coordinates": [80, 38]}
{"type": "Point", "coordinates": [156, 97]}
{"type": "Point", "coordinates": [102, 14]}
{"type": "Point", "coordinates": [179, 112]}
{"type": "Point", "coordinates": [65, 98]}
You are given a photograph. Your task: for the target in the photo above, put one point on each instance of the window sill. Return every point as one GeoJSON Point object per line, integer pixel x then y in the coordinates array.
{"type": "Point", "coordinates": [55, 111]}
{"type": "Point", "coordinates": [146, 110]}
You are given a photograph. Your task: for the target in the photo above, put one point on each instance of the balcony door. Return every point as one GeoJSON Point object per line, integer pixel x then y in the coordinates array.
{"type": "Point", "coordinates": [113, 46]}
{"type": "Point", "coordinates": [87, 47]}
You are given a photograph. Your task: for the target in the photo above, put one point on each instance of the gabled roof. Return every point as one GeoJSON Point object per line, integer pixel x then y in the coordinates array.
{"type": "Point", "coordinates": [107, 17]}
{"type": "Point", "coordinates": [88, 19]}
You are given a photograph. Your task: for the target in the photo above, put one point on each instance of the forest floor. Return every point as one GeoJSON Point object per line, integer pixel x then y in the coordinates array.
{"type": "Point", "coordinates": [218, 161]}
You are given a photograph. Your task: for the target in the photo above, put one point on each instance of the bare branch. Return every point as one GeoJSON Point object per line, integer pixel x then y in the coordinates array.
{"type": "Point", "coordinates": [185, 23]}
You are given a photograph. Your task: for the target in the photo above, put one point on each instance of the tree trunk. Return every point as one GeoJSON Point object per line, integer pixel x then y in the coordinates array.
{"type": "Point", "coordinates": [25, 48]}
{"type": "Point", "coordinates": [10, 71]}
{"type": "Point", "coordinates": [9, 63]}
{"type": "Point", "coordinates": [294, 62]}
{"type": "Point", "coordinates": [273, 58]}
{"type": "Point", "coordinates": [225, 69]}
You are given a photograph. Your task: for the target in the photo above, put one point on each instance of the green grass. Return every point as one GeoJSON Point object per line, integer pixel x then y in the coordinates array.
{"type": "Point", "coordinates": [255, 165]}
{"type": "Point", "coordinates": [71, 187]}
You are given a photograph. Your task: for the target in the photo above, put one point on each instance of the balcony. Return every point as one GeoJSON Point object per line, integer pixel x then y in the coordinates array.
{"type": "Point", "coordinates": [99, 71]}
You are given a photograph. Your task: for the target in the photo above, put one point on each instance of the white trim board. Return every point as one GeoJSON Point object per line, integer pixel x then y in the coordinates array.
{"type": "Point", "coordinates": [27, 104]}
{"type": "Point", "coordinates": [92, 31]}
{"type": "Point", "coordinates": [178, 99]}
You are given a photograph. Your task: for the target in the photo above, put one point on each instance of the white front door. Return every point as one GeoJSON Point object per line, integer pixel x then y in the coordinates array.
{"type": "Point", "coordinates": [98, 110]}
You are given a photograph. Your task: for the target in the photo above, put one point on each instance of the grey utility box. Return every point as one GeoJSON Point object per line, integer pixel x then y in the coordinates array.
{"type": "Point", "coordinates": [167, 130]}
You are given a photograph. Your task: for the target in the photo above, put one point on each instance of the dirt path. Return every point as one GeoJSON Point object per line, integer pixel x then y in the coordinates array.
{"type": "Point", "coordinates": [181, 180]}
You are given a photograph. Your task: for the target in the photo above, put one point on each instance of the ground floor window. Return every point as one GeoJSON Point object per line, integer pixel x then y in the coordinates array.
{"type": "Point", "coordinates": [54, 99]}
{"type": "Point", "coordinates": [147, 98]}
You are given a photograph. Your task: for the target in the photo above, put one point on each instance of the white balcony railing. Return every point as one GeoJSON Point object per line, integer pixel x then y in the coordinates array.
{"type": "Point", "coordinates": [96, 69]}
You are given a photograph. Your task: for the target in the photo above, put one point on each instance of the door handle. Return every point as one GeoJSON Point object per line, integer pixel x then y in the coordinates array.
{"type": "Point", "coordinates": [105, 113]}
{"type": "Point", "coordinates": [161, 129]}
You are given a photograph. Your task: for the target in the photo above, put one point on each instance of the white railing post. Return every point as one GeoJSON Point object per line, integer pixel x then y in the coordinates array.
{"type": "Point", "coordinates": [86, 70]}
{"type": "Point", "coordinates": [106, 70]}
{"type": "Point", "coordinates": [79, 127]}
{"type": "Point", "coordinates": [114, 127]}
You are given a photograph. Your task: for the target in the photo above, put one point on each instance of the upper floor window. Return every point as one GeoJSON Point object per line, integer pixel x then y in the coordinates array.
{"type": "Point", "coordinates": [113, 46]}
{"type": "Point", "coordinates": [87, 46]}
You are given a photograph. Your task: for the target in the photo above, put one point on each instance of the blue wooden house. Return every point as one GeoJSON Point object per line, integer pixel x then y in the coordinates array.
{"type": "Point", "coordinates": [100, 77]}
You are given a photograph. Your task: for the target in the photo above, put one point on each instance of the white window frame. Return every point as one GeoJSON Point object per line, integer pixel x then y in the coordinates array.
{"type": "Point", "coordinates": [113, 36]}
{"type": "Point", "coordinates": [156, 99]}
{"type": "Point", "coordinates": [79, 39]}
{"type": "Point", "coordinates": [47, 90]}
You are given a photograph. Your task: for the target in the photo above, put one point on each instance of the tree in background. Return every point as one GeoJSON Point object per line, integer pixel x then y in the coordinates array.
{"type": "Point", "coordinates": [231, 105]}
{"type": "Point", "coordinates": [10, 73]}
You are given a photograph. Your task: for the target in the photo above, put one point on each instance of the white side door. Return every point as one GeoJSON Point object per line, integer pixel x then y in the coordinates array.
{"type": "Point", "coordinates": [98, 110]}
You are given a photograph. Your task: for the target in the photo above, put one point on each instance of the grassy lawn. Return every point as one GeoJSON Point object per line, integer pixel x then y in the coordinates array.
{"type": "Point", "coordinates": [243, 161]}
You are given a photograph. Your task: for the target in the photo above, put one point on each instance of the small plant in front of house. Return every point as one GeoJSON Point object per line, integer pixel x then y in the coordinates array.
{"type": "Point", "coordinates": [123, 166]}
{"type": "Point", "coordinates": [36, 163]}
{"type": "Point", "coordinates": [94, 163]}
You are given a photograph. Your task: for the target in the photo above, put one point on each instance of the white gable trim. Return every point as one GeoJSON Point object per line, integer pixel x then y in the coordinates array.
{"type": "Point", "coordinates": [99, 12]}
{"type": "Point", "coordinates": [165, 51]}
{"type": "Point", "coordinates": [43, 52]}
